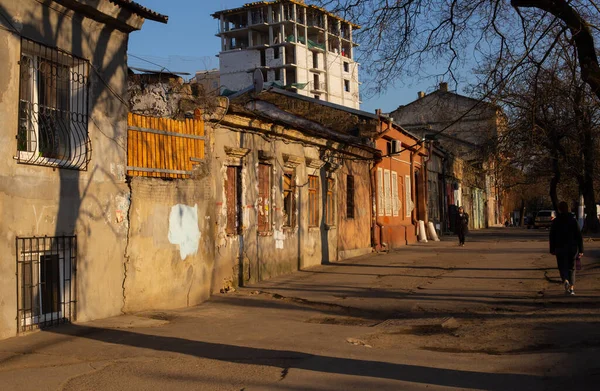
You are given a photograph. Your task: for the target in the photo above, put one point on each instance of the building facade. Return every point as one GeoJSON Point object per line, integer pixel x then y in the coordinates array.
{"type": "Point", "coordinates": [63, 192]}
{"type": "Point", "coordinates": [465, 129]}
{"type": "Point", "coordinates": [400, 191]}
{"type": "Point", "coordinates": [299, 47]}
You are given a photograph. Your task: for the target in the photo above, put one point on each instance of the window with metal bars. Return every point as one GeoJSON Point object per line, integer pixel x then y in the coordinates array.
{"type": "Point", "coordinates": [264, 198]}
{"type": "Point", "coordinates": [350, 197]}
{"type": "Point", "coordinates": [289, 198]}
{"type": "Point", "coordinates": [233, 198]}
{"type": "Point", "coordinates": [53, 108]}
{"type": "Point", "coordinates": [313, 201]}
{"type": "Point", "coordinates": [330, 212]}
{"type": "Point", "coordinates": [45, 281]}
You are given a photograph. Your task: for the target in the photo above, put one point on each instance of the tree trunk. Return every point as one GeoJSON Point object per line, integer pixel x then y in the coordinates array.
{"type": "Point", "coordinates": [582, 36]}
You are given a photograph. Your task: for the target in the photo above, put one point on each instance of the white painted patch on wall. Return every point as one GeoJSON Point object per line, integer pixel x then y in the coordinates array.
{"type": "Point", "coordinates": [183, 229]}
{"type": "Point", "coordinates": [279, 236]}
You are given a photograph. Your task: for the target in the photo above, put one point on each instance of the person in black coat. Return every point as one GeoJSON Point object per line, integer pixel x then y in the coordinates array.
{"type": "Point", "coordinates": [461, 225]}
{"type": "Point", "coordinates": [566, 242]}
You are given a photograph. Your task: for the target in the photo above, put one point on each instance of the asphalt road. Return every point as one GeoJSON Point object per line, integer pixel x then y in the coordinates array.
{"type": "Point", "coordinates": [491, 315]}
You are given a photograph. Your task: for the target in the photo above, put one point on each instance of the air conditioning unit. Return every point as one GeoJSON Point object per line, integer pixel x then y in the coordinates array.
{"type": "Point", "coordinates": [396, 146]}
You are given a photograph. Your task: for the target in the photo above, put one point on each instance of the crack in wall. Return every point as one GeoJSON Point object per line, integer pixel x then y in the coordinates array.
{"type": "Point", "coordinates": [126, 254]}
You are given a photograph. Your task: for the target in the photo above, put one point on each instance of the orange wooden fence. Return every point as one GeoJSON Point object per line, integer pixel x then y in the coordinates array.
{"type": "Point", "coordinates": [162, 147]}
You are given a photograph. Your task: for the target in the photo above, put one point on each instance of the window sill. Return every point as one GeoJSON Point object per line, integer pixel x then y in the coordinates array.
{"type": "Point", "coordinates": [313, 229]}
{"type": "Point", "coordinates": [34, 158]}
{"type": "Point", "coordinates": [330, 227]}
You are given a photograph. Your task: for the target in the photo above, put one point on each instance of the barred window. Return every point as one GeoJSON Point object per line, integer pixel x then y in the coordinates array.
{"type": "Point", "coordinates": [53, 108]}
{"type": "Point", "coordinates": [45, 281]}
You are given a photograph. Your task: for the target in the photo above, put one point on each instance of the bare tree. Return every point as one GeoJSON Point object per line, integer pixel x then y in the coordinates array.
{"type": "Point", "coordinates": [553, 127]}
{"type": "Point", "coordinates": [402, 37]}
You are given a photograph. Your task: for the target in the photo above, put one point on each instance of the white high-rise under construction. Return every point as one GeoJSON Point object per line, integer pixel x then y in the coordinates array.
{"type": "Point", "coordinates": [297, 46]}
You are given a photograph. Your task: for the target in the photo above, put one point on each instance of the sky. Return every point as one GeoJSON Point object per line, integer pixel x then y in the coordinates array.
{"type": "Point", "coordinates": [187, 43]}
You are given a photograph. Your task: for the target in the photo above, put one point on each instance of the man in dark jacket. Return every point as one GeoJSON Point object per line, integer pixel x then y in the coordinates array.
{"type": "Point", "coordinates": [461, 227]}
{"type": "Point", "coordinates": [566, 242]}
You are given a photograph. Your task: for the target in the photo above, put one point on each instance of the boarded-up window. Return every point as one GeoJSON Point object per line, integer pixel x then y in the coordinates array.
{"type": "Point", "coordinates": [395, 200]}
{"type": "Point", "coordinates": [350, 197]}
{"type": "Point", "coordinates": [388, 192]}
{"type": "Point", "coordinates": [313, 201]}
{"type": "Point", "coordinates": [407, 196]}
{"type": "Point", "coordinates": [330, 217]}
{"type": "Point", "coordinates": [264, 198]}
{"type": "Point", "coordinates": [289, 198]}
{"type": "Point", "coordinates": [232, 195]}
{"type": "Point", "coordinates": [380, 193]}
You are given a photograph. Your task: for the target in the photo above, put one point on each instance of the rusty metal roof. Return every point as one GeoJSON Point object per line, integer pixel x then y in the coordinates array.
{"type": "Point", "coordinates": [140, 10]}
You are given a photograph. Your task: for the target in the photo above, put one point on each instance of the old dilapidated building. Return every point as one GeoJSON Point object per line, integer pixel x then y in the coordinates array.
{"type": "Point", "coordinates": [63, 191]}
{"type": "Point", "coordinates": [287, 185]}
{"type": "Point", "coordinates": [465, 129]}
{"type": "Point", "coordinates": [295, 178]}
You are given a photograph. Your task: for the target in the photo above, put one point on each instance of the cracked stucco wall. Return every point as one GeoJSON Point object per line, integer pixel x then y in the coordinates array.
{"type": "Point", "coordinates": [39, 201]}
{"type": "Point", "coordinates": [170, 254]}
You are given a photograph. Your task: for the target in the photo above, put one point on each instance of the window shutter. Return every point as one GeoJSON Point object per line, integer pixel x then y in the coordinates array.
{"type": "Point", "coordinates": [408, 196]}
{"type": "Point", "coordinates": [395, 200]}
{"type": "Point", "coordinates": [388, 194]}
{"type": "Point", "coordinates": [380, 193]}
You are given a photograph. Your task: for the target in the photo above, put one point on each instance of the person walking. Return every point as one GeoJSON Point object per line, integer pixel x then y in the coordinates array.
{"type": "Point", "coordinates": [461, 225]}
{"type": "Point", "coordinates": [566, 243]}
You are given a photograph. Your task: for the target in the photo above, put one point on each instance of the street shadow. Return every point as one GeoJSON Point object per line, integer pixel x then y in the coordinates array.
{"type": "Point", "coordinates": [287, 359]}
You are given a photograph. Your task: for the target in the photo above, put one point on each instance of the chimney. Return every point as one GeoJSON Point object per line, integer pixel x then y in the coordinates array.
{"type": "Point", "coordinates": [377, 111]}
{"type": "Point", "coordinates": [420, 94]}
{"type": "Point", "coordinates": [444, 87]}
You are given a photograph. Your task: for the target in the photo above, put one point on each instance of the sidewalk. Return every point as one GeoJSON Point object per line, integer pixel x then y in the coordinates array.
{"type": "Point", "coordinates": [490, 315]}
{"type": "Point", "coordinates": [440, 276]}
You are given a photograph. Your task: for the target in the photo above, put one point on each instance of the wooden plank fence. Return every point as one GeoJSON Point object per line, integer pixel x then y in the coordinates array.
{"type": "Point", "coordinates": [162, 147]}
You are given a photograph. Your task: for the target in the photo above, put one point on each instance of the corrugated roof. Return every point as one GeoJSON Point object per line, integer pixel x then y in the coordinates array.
{"type": "Point", "coordinates": [140, 10]}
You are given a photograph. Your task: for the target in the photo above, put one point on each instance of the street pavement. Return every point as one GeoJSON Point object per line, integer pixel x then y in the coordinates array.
{"type": "Point", "coordinates": [491, 315]}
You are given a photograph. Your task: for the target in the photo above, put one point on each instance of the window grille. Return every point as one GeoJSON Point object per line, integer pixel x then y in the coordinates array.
{"type": "Point", "coordinates": [53, 108]}
{"type": "Point", "coordinates": [46, 269]}
{"type": "Point", "coordinates": [313, 201]}
{"type": "Point", "coordinates": [350, 197]}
